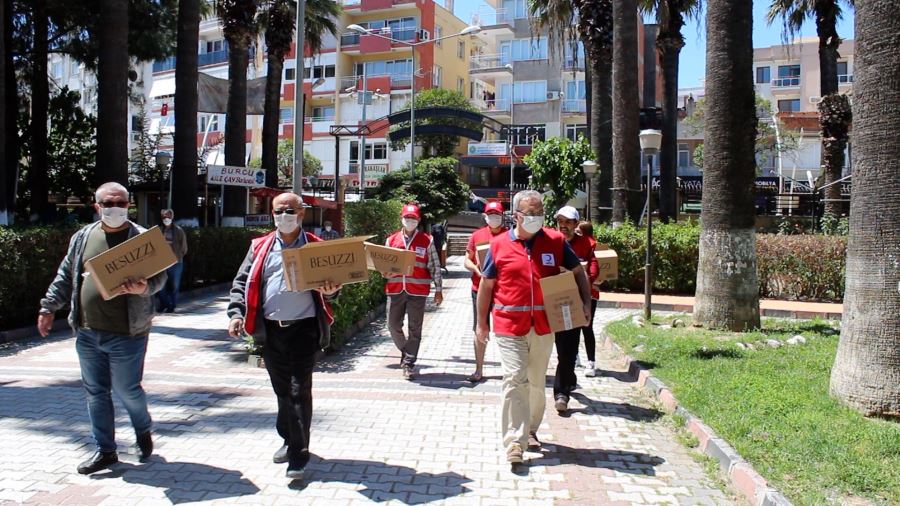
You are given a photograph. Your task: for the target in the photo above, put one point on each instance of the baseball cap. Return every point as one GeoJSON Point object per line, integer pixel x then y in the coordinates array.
{"type": "Point", "coordinates": [568, 212]}
{"type": "Point", "coordinates": [493, 207]}
{"type": "Point", "coordinates": [410, 210]}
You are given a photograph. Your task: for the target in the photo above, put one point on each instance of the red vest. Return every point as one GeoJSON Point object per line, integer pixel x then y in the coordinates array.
{"type": "Point", "coordinates": [261, 247]}
{"type": "Point", "coordinates": [583, 247]}
{"type": "Point", "coordinates": [518, 299]}
{"type": "Point", "coordinates": [481, 236]}
{"type": "Point", "coordinates": [420, 281]}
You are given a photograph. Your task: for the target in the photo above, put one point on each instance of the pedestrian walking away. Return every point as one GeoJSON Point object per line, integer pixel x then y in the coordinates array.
{"type": "Point", "coordinates": [291, 326]}
{"type": "Point", "coordinates": [513, 268]}
{"type": "Point", "coordinates": [481, 238]}
{"type": "Point", "coordinates": [586, 229]}
{"type": "Point", "coordinates": [175, 237]}
{"type": "Point", "coordinates": [110, 335]}
{"type": "Point", "coordinates": [567, 341]}
{"type": "Point", "coordinates": [407, 294]}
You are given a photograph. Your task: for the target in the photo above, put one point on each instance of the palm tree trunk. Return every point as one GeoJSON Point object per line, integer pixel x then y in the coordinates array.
{"type": "Point", "coordinates": [866, 372]}
{"type": "Point", "coordinates": [834, 110]}
{"type": "Point", "coordinates": [184, 161]}
{"type": "Point", "coordinates": [4, 209]}
{"type": "Point", "coordinates": [600, 113]}
{"type": "Point", "coordinates": [38, 176]}
{"type": "Point", "coordinates": [625, 114]}
{"type": "Point", "coordinates": [727, 293]}
{"type": "Point", "coordinates": [669, 42]}
{"type": "Point", "coordinates": [112, 93]}
{"type": "Point", "coordinates": [10, 112]}
{"type": "Point", "coordinates": [236, 129]}
{"type": "Point", "coordinates": [272, 113]}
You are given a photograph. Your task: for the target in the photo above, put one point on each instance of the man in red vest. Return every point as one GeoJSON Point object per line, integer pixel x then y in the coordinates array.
{"type": "Point", "coordinates": [407, 294]}
{"type": "Point", "coordinates": [567, 340]}
{"type": "Point", "coordinates": [513, 268]}
{"type": "Point", "coordinates": [291, 326]}
{"type": "Point", "coordinates": [493, 216]}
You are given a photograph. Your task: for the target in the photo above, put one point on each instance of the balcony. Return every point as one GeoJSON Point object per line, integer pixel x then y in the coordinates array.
{"type": "Point", "coordinates": [493, 107]}
{"type": "Point", "coordinates": [374, 5]}
{"type": "Point", "coordinates": [493, 19]}
{"type": "Point", "coordinates": [571, 63]}
{"type": "Point", "coordinates": [574, 106]}
{"type": "Point", "coordinates": [203, 60]}
{"type": "Point", "coordinates": [786, 82]}
{"type": "Point", "coordinates": [845, 79]}
{"type": "Point", "coordinates": [370, 44]}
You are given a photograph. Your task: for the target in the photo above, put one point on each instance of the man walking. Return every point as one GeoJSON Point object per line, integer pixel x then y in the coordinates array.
{"type": "Point", "coordinates": [513, 268]}
{"type": "Point", "coordinates": [567, 341]}
{"type": "Point", "coordinates": [586, 229]}
{"type": "Point", "coordinates": [291, 326]}
{"type": "Point", "coordinates": [493, 216]}
{"type": "Point", "coordinates": [175, 237]}
{"type": "Point", "coordinates": [407, 294]}
{"type": "Point", "coordinates": [111, 335]}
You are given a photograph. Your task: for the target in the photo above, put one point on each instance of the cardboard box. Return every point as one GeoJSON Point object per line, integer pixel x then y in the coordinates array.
{"type": "Point", "coordinates": [143, 256]}
{"type": "Point", "coordinates": [608, 261]}
{"type": "Point", "coordinates": [601, 246]}
{"type": "Point", "coordinates": [391, 260]}
{"type": "Point", "coordinates": [341, 261]}
{"type": "Point", "coordinates": [481, 252]}
{"type": "Point", "coordinates": [562, 302]}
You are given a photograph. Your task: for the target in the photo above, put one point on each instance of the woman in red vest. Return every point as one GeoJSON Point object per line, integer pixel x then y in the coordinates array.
{"type": "Point", "coordinates": [407, 294]}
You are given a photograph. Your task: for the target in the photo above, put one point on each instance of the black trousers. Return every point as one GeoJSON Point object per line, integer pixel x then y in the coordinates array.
{"type": "Point", "coordinates": [290, 356]}
{"type": "Point", "coordinates": [590, 344]}
{"type": "Point", "coordinates": [566, 351]}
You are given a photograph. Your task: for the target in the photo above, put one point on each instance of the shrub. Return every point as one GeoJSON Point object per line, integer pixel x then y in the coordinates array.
{"type": "Point", "coordinates": [369, 217]}
{"type": "Point", "coordinates": [353, 304]}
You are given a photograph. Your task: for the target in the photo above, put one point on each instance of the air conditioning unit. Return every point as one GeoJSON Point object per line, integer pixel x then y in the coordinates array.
{"type": "Point", "coordinates": [552, 95]}
{"type": "Point", "coordinates": [815, 100]}
{"type": "Point", "coordinates": [423, 35]}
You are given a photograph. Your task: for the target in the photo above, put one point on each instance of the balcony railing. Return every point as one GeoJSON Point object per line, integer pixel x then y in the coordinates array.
{"type": "Point", "coordinates": [203, 60]}
{"type": "Point", "coordinates": [407, 35]}
{"type": "Point", "coordinates": [786, 82]}
{"type": "Point", "coordinates": [570, 63]}
{"type": "Point", "coordinates": [350, 39]}
{"type": "Point", "coordinates": [845, 78]}
{"type": "Point", "coordinates": [493, 105]}
{"type": "Point", "coordinates": [491, 17]}
{"type": "Point", "coordinates": [397, 81]}
{"type": "Point", "coordinates": [489, 62]}
{"type": "Point", "coordinates": [574, 106]}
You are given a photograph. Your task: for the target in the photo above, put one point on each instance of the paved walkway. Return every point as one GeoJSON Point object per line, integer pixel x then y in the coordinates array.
{"type": "Point", "coordinates": [376, 437]}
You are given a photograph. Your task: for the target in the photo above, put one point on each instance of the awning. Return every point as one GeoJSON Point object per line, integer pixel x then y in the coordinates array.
{"type": "Point", "coordinates": [162, 88]}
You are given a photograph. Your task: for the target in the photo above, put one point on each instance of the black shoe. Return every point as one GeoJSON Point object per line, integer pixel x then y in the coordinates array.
{"type": "Point", "coordinates": [281, 455]}
{"type": "Point", "coordinates": [145, 445]}
{"type": "Point", "coordinates": [100, 460]}
{"type": "Point", "coordinates": [297, 465]}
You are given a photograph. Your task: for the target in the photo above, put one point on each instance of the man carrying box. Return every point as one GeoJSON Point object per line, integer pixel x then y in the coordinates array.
{"type": "Point", "coordinates": [291, 326]}
{"type": "Point", "coordinates": [567, 340]}
{"type": "Point", "coordinates": [493, 216]}
{"type": "Point", "coordinates": [515, 264]}
{"type": "Point", "coordinates": [407, 294]}
{"type": "Point", "coordinates": [111, 335]}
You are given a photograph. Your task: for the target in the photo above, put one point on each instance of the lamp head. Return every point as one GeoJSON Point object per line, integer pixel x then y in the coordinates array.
{"type": "Point", "coordinates": [589, 167]}
{"type": "Point", "coordinates": [471, 29]}
{"type": "Point", "coordinates": [357, 28]}
{"type": "Point", "coordinates": [318, 82]}
{"type": "Point", "coordinates": [651, 140]}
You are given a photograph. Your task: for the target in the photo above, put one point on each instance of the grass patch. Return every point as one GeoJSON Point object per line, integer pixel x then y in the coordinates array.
{"type": "Point", "coordinates": [773, 406]}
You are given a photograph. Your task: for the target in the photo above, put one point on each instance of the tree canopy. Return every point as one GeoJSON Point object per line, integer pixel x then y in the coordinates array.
{"type": "Point", "coordinates": [556, 166]}
{"type": "Point", "coordinates": [431, 174]}
{"type": "Point", "coordinates": [437, 145]}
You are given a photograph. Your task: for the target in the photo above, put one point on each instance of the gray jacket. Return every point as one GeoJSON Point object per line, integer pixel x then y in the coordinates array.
{"type": "Point", "coordinates": [66, 288]}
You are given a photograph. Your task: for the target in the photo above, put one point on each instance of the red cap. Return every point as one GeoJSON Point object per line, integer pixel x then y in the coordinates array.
{"type": "Point", "coordinates": [410, 210]}
{"type": "Point", "coordinates": [493, 207]}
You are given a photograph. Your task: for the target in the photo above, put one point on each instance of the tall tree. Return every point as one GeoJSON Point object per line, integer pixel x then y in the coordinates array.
{"type": "Point", "coordinates": [594, 22]}
{"type": "Point", "coordinates": [727, 293]}
{"type": "Point", "coordinates": [10, 140]}
{"type": "Point", "coordinates": [112, 92]}
{"type": "Point", "coordinates": [834, 109]}
{"type": "Point", "coordinates": [866, 373]}
{"type": "Point", "coordinates": [38, 176]}
{"type": "Point", "coordinates": [625, 114]}
{"type": "Point", "coordinates": [5, 209]}
{"type": "Point", "coordinates": [184, 160]}
{"type": "Point", "coordinates": [240, 28]}
{"type": "Point", "coordinates": [278, 17]}
{"type": "Point", "coordinates": [670, 16]}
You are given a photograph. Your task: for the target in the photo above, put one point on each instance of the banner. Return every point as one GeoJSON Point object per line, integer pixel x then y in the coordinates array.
{"type": "Point", "coordinates": [488, 149]}
{"type": "Point", "coordinates": [235, 176]}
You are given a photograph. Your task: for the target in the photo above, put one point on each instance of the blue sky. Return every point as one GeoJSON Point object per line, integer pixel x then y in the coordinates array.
{"type": "Point", "coordinates": [693, 56]}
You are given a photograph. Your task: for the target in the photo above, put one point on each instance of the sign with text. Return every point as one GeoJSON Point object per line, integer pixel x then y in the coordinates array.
{"type": "Point", "coordinates": [488, 149]}
{"type": "Point", "coordinates": [390, 260]}
{"type": "Point", "coordinates": [257, 220]}
{"type": "Point", "coordinates": [341, 261]}
{"type": "Point", "coordinates": [143, 256]}
{"type": "Point", "coordinates": [235, 176]}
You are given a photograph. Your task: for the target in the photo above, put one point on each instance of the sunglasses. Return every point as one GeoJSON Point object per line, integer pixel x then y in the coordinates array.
{"type": "Point", "coordinates": [286, 210]}
{"type": "Point", "coordinates": [113, 203]}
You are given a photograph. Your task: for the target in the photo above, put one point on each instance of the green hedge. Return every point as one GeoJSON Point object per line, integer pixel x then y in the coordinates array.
{"type": "Point", "coordinates": [796, 267]}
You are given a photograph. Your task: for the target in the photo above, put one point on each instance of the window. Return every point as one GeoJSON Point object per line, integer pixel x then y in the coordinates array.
{"type": "Point", "coordinates": [528, 134]}
{"type": "Point", "coordinates": [317, 71]}
{"type": "Point", "coordinates": [788, 75]}
{"type": "Point", "coordinates": [574, 57]}
{"type": "Point", "coordinates": [211, 121]}
{"type": "Point", "coordinates": [763, 75]}
{"type": "Point", "coordinates": [290, 74]}
{"type": "Point", "coordinates": [213, 46]}
{"type": "Point", "coordinates": [523, 50]}
{"type": "Point", "coordinates": [286, 115]}
{"type": "Point", "coordinates": [575, 90]}
{"type": "Point", "coordinates": [684, 155]}
{"type": "Point", "coordinates": [374, 151]}
{"type": "Point", "coordinates": [525, 92]}
{"type": "Point", "coordinates": [57, 70]}
{"type": "Point", "coordinates": [400, 68]}
{"type": "Point", "coordinates": [574, 131]}
{"type": "Point", "coordinates": [136, 124]}
{"type": "Point", "coordinates": [843, 72]}
{"type": "Point", "coordinates": [324, 113]}
{"type": "Point", "coordinates": [790, 105]}
{"type": "Point", "coordinates": [460, 84]}
{"type": "Point", "coordinates": [514, 9]}
{"type": "Point", "coordinates": [437, 75]}
{"type": "Point", "coordinates": [438, 33]}
{"type": "Point", "coordinates": [461, 49]}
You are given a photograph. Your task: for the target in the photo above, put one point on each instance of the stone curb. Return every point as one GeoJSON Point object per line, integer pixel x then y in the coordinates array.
{"type": "Point", "coordinates": [740, 473]}
{"type": "Point", "coordinates": [680, 308]}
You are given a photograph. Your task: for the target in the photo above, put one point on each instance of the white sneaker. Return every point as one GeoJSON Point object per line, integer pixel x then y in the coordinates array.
{"type": "Point", "coordinates": [591, 370]}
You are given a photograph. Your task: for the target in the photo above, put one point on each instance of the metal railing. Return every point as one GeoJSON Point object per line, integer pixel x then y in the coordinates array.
{"type": "Point", "coordinates": [574, 105]}
{"type": "Point", "coordinates": [571, 62]}
{"type": "Point", "coordinates": [203, 59]}
{"type": "Point", "coordinates": [489, 62]}
{"type": "Point", "coordinates": [497, 104]}
{"type": "Point", "coordinates": [786, 82]}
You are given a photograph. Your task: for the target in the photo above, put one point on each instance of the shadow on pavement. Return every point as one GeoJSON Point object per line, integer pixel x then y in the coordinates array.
{"type": "Point", "coordinates": [624, 410]}
{"type": "Point", "coordinates": [384, 482]}
{"type": "Point", "coordinates": [618, 460]}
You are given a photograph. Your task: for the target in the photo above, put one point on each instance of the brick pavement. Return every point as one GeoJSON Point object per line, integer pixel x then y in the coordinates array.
{"type": "Point", "coordinates": [376, 437]}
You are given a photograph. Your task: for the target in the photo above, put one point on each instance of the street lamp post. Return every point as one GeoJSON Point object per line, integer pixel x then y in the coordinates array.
{"type": "Point", "coordinates": [650, 143]}
{"type": "Point", "coordinates": [469, 30]}
{"type": "Point", "coordinates": [590, 168]}
{"type": "Point", "coordinates": [162, 160]}
{"type": "Point", "coordinates": [299, 106]}
{"type": "Point", "coordinates": [510, 137]}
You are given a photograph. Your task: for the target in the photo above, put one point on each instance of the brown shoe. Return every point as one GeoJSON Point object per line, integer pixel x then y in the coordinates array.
{"type": "Point", "coordinates": [514, 454]}
{"type": "Point", "coordinates": [533, 442]}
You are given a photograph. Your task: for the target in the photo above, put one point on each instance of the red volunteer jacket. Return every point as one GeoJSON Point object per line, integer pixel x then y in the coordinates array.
{"type": "Point", "coordinates": [481, 236]}
{"type": "Point", "coordinates": [419, 283]}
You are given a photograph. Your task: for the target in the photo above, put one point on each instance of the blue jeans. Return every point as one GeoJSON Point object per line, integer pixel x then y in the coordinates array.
{"type": "Point", "coordinates": [168, 296]}
{"type": "Point", "coordinates": [111, 362]}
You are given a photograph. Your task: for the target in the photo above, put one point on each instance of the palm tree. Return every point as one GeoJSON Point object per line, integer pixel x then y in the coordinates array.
{"type": "Point", "coordinates": [239, 27]}
{"type": "Point", "coordinates": [593, 19]}
{"type": "Point", "coordinates": [866, 373]}
{"type": "Point", "coordinates": [625, 113]}
{"type": "Point", "coordinates": [10, 104]}
{"type": "Point", "coordinates": [4, 207]}
{"type": "Point", "coordinates": [38, 173]}
{"type": "Point", "coordinates": [112, 92]}
{"type": "Point", "coordinates": [727, 288]}
{"type": "Point", "coordinates": [278, 19]}
{"type": "Point", "coordinates": [670, 16]}
{"type": "Point", "coordinates": [184, 161]}
{"type": "Point", "coordinates": [834, 109]}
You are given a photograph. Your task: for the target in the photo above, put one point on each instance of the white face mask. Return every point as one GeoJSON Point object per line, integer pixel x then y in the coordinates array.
{"type": "Point", "coordinates": [493, 220]}
{"type": "Point", "coordinates": [410, 224]}
{"type": "Point", "coordinates": [532, 224]}
{"type": "Point", "coordinates": [286, 223]}
{"type": "Point", "coordinates": [328, 228]}
{"type": "Point", "coordinates": [113, 217]}
{"type": "Point", "coordinates": [167, 221]}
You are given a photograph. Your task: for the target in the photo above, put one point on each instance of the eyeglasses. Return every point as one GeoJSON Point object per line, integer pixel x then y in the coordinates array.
{"type": "Point", "coordinates": [529, 214]}
{"type": "Point", "coordinates": [113, 203]}
{"type": "Point", "coordinates": [285, 210]}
